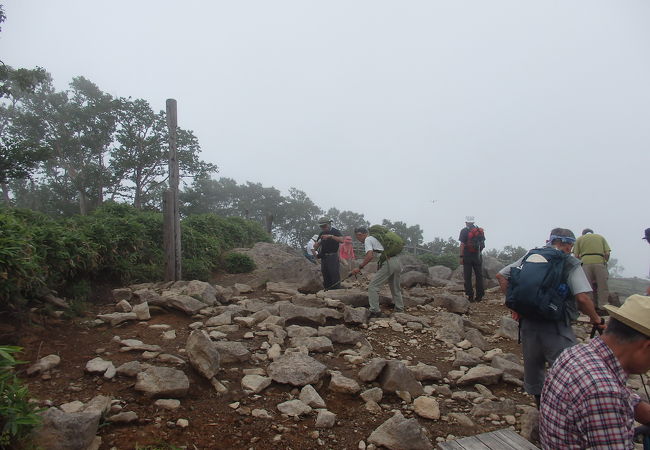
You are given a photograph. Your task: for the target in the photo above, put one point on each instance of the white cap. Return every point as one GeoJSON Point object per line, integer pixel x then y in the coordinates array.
{"type": "Point", "coordinates": [469, 219]}
{"type": "Point", "coordinates": [314, 237]}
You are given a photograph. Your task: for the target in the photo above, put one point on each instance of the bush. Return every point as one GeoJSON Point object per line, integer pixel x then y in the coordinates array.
{"type": "Point", "coordinates": [17, 415]}
{"type": "Point", "coordinates": [238, 263]}
{"type": "Point", "coordinates": [447, 260]}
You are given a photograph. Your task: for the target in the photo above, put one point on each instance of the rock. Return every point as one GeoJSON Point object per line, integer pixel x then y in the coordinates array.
{"type": "Point", "coordinates": [413, 278]}
{"type": "Point", "coordinates": [202, 291]}
{"type": "Point", "coordinates": [282, 288]}
{"type": "Point", "coordinates": [374, 395]}
{"type": "Point", "coordinates": [174, 300]}
{"type": "Point", "coordinates": [341, 334]}
{"type": "Point", "coordinates": [309, 396]}
{"type": "Point", "coordinates": [462, 420]}
{"type": "Point", "coordinates": [355, 316]}
{"type": "Point", "coordinates": [452, 303]}
{"type": "Point", "coordinates": [481, 374]}
{"type": "Point", "coordinates": [182, 423]}
{"type": "Point", "coordinates": [131, 368]}
{"type": "Point", "coordinates": [203, 353]}
{"type": "Point", "coordinates": [232, 351]}
{"type": "Point", "coordinates": [122, 294]}
{"type": "Point", "coordinates": [313, 344]}
{"type": "Point", "coordinates": [169, 404]}
{"type": "Point", "coordinates": [261, 414]}
{"type": "Point", "coordinates": [476, 338]}
{"type": "Point", "coordinates": [117, 318]}
{"type": "Point", "coordinates": [424, 372]}
{"type": "Point", "coordinates": [396, 377]}
{"type": "Point", "coordinates": [298, 331]}
{"type": "Point", "coordinates": [255, 383]}
{"type": "Point", "coordinates": [162, 382]}
{"type": "Point", "coordinates": [371, 371]}
{"type": "Point", "coordinates": [296, 369]}
{"type": "Point", "coordinates": [345, 385]}
{"type": "Point", "coordinates": [72, 407]}
{"type": "Point", "coordinates": [222, 319]}
{"type": "Point", "coordinates": [441, 272]}
{"type": "Point", "coordinates": [398, 433]}
{"type": "Point", "coordinates": [508, 328]}
{"type": "Point", "coordinates": [325, 419]}
{"type": "Point", "coordinates": [142, 311]}
{"type": "Point", "coordinates": [274, 352]}
{"type": "Point", "coordinates": [294, 408]}
{"type": "Point", "coordinates": [465, 359]}
{"type": "Point", "coordinates": [123, 417]}
{"type": "Point", "coordinates": [98, 366]}
{"type": "Point", "coordinates": [509, 367]}
{"type": "Point", "coordinates": [530, 424]}
{"type": "Point", "coordinates": [169, 335]}
{"type": "Point", "coordinates": [99, 404]}
{"type": "Point", "coordinates": [242, 288]}
{"type": "Point", "coordinates": [501, 408]}
{"type": "Point", "coordinates": [302, 314]}
{"type": "Point", "coordinates": [44, 364]}
{"type": "Point", "coordinates": [350, 297]}
{"type": "Point", "coordinates": [124, 306]}
{"type": "Point", "coordinates": [63, 431]}
{"type": "Point", "coordinates": [426, 407]}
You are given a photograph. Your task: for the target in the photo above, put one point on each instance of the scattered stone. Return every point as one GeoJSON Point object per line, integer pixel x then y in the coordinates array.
{"type": "Point", "coordinates": [340, 383]}
{"type": "Point", "coordinates": [462, 420]}
{"type": "Point", "coordinates": [325, 419]}
{"type": "Point", "coordinates": [255, 383]}
{"type": "Point", "coordinates": [274, 352]}
{"type": "Point", "coordinates": [296, 369]}
{"type": "Point", "coordinates": [371, 371]}
{"type": "Point", "coordinates": [242, 288]}
{"type": "Point", "coordinates": [465, 359]}
{"type": "Point", "coordinates": [63, 431]}
{"type": "Point", "coordinates": [356, 316]}
{"type": "Point", "coordinates": [124, 306]}
{"type": "Point", "coordinates": [162, 382]}
{"type": "Point", "coordinates": [508, 328]}
{"type": "Point", "coordinates": [396, 377]}
{"type": "Point", "coordinates": [72, 407]}
{"type": "Point", "coordinates": [452, 303]}
{"type": "Point", "coordinates": [399, 433]}
{"type": "Point", "coordinates": [122, 294]}
{"type": "Point", "coordinates": [313, 344]}
{"type": "Point", "coordinates": [44, 364]}
{"type": "Point", "coordinates": [298, 331]}
{"type": "Point", "coordinates": [481, 374]}
{"type": "Point", "coordinates": [232, 351]}
{"type": "Point", "coordinates": [261, 414]}
{"type": "Point", "coordinates": [98, 366]}
{"type": "Point", "coordinates": [509, 367]}
{"type": "Point", "coordinates": [529, 422]}
{"type": "Point", "coordinates": [291, 312]}
{"type": "Point", "coordinates": [169, 404]}
{"type": "Point", "coordinates": [294, 408]}
{"type": "Point", "coordinates": [123, 417]}
{"type": "Point", "coordinates": [142, 311]}
{"type": "Point", "coordinates": [427, 407]}
{"type": "Point", "coordinates": [374, 394]}
{"type": "Point", "coordinates": [169, 335]}
{"type": "Point", "coordinates": [182, 423]}
{"type": "Point", "coordinates": [222, 319]}
{"type": "Point", "coordinates": [309, 396]}
{"type": "Point", "coordinates": [181, 302]}
{"type": "Point", "coordinates": [117, 318]}
{"type": "Point", "coordinates": [501, 408]}
{"type": "Point", "coordinates": [424, 372]}
{"type": "Point", "coordinates": [203, 354]}
{"type": "Point", "coordinates": [340, 334]}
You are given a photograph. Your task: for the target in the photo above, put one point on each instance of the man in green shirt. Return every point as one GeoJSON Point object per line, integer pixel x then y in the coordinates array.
{"type": "Point", "coordinates": [592, 249]}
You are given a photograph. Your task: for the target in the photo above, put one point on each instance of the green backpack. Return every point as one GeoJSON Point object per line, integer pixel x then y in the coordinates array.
{"type": "Point", "coordinates": [391, 241]}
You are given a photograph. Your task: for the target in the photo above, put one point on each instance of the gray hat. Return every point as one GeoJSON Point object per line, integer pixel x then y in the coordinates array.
{"type": "Point", "coordinates": [324, 221]}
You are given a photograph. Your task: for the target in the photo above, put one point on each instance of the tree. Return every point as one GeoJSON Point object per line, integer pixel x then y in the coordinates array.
{"type": "Point", "coordinates": [347, 221]}
{"type": "Point", "coordinates": [300, 216]}
{"type": "Point", "coordinates": [412, 235]}
{"type": "Point", "coordinates": [440, 246]}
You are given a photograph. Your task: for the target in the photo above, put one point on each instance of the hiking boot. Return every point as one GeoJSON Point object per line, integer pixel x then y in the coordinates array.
{"type": "Point", "coordinates": [377, 315]}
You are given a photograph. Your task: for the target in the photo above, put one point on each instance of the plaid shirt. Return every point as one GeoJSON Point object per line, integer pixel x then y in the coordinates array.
{"type": "Point", "coordinates": [585, 403]}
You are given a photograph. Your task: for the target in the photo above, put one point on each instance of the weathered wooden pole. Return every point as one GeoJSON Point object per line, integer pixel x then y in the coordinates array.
{"type": "Point", "coordinates": [172, 221]}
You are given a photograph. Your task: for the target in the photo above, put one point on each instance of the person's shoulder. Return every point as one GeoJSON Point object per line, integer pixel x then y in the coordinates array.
{"type": "Point", "coordinates": [335, 232]}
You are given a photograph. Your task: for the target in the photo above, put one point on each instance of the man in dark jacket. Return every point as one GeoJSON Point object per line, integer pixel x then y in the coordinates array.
{"type": "Point", "coordinates": [327, 246]}
{"type": "Point", "coordinates": [472, 241]}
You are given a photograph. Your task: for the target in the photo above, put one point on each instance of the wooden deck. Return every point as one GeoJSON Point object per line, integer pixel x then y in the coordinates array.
{"type": "Point", "coordinates": [496, 440]}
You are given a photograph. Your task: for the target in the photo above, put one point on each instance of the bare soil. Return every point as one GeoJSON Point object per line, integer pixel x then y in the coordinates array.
{"type": "Point", "coordinates": [213, 424]}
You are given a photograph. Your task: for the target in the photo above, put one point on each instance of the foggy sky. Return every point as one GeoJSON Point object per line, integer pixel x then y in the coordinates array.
{"type": "Point", "coordinates": [527, 115]}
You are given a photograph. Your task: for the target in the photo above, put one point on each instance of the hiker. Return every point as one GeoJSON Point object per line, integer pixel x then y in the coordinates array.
{"type": "Point", "coordinates": [388, 272]}
{"type": "Point", "coordinates": [327, 246]}
{"type": "Point", "coordinates": [592, 249]}
{"type": "Point", "coordinates": [545, 314]}
{"type": "Point", "coordinates": [346, 252]}
{"type": "Point", "coordinates": [647, 239]}
{"type": "Point", "coordinates": [472, 242]}
{"type": "Point", "coordinates": [310, 253]}
{"type": "Point", "coordinates": [585, 402]}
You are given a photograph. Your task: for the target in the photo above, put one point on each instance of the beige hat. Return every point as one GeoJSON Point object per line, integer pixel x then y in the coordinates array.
{"type": "Point", "coordinates": [634, 313]}
{"type": "Point", "coordinates": [314, 237]}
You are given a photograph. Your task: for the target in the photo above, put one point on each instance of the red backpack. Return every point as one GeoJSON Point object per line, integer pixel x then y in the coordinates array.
{"type": "Point", "coordinates": [475, 240]}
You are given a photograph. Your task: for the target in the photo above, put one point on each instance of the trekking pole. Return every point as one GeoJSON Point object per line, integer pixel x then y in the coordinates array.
{"type": "Point", "coordinates": [597, 328]}
{"type": "Point", "coordinates": [338, 282]}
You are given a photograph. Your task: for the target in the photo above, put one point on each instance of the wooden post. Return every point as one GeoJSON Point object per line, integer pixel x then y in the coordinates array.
{"type": "Point", "coordinates": [172, 222]}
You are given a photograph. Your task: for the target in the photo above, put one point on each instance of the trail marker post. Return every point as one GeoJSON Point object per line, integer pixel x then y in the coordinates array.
{"type": "Point", "coordinates": [172, 221]}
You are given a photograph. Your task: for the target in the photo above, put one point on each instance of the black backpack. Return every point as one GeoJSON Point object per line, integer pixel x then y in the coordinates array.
{"type": "Point", "coordinates": [537, 289]}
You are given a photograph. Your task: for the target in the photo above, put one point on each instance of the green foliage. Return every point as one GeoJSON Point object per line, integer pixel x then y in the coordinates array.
{"type": "Point", "coordinates": [238, 263]}
{"type": "Point", "coordinates": [447, 260]}
{"type": "Point", "coordinates": [116, 242]}
{"type": "Point", "coordinates": [508, 254]}
{"type": "Point", "coordinates": [17, 415]}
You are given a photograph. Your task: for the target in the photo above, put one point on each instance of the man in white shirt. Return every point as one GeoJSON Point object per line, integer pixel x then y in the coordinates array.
{"type": "Point", "coordinates": [310, 253]}
{"type": "Point", "coordinates": [388, 272]}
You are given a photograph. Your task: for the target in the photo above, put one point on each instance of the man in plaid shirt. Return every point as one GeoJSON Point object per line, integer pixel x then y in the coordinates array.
{"type": "Point", "coordinates": [585, 402]}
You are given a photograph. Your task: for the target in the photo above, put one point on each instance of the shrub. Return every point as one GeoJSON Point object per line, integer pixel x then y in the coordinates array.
{"type": "Point", "coordinates": [17, 415]}
{"type": "Point", "coordinates": [238, 263]}
{"type": "Point", "coordinates": [447, 260]}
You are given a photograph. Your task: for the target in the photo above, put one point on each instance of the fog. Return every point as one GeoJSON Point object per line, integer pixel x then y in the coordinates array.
{"type": "Point", "coordinates": [527, 115]}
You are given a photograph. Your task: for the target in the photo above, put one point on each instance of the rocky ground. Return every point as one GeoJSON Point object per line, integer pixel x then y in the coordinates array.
{"type": "Point", "coordinates": [252, 363]}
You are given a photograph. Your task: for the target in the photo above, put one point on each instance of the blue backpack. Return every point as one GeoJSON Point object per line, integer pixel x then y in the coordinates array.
{"type": "Point", "coordinates": [537, 289]}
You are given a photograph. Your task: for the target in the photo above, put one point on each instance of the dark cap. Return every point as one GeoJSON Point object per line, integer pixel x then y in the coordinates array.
{"type": "Point", "coordinates": [647, 235]}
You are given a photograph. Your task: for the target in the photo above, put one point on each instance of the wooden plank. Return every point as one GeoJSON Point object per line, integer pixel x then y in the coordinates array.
{"type": "Point", "coordinates": [471, 443]}
{"type": "Point", "coordinates": [495, 440]}
{"type": "Point", "coordinates": [450, 445]}
{"type": "Point", "coordinates": [514, 439]}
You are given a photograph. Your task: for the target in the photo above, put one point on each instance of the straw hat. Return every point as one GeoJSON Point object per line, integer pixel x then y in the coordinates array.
{"type": "Point", "coordinates": [634, 313]}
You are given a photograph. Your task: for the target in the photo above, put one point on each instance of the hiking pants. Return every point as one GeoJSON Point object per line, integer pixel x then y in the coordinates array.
{"type": "Point", "coordinates": [473, 263]}
{"type": "Point", "coordinates": [389, 272]}
{"type": "Point", "coordinates": [597, 275]}
{"type": "Point", "coordinates": [541, 344]}
{"type": "Point", "coordinates": [329, 267]}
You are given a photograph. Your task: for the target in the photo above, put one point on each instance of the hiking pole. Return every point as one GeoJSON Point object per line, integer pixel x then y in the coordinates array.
{"type": "Point", "coordinates": [338, 282]}
{"type": "Point", "coordinates": [597, 328]}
